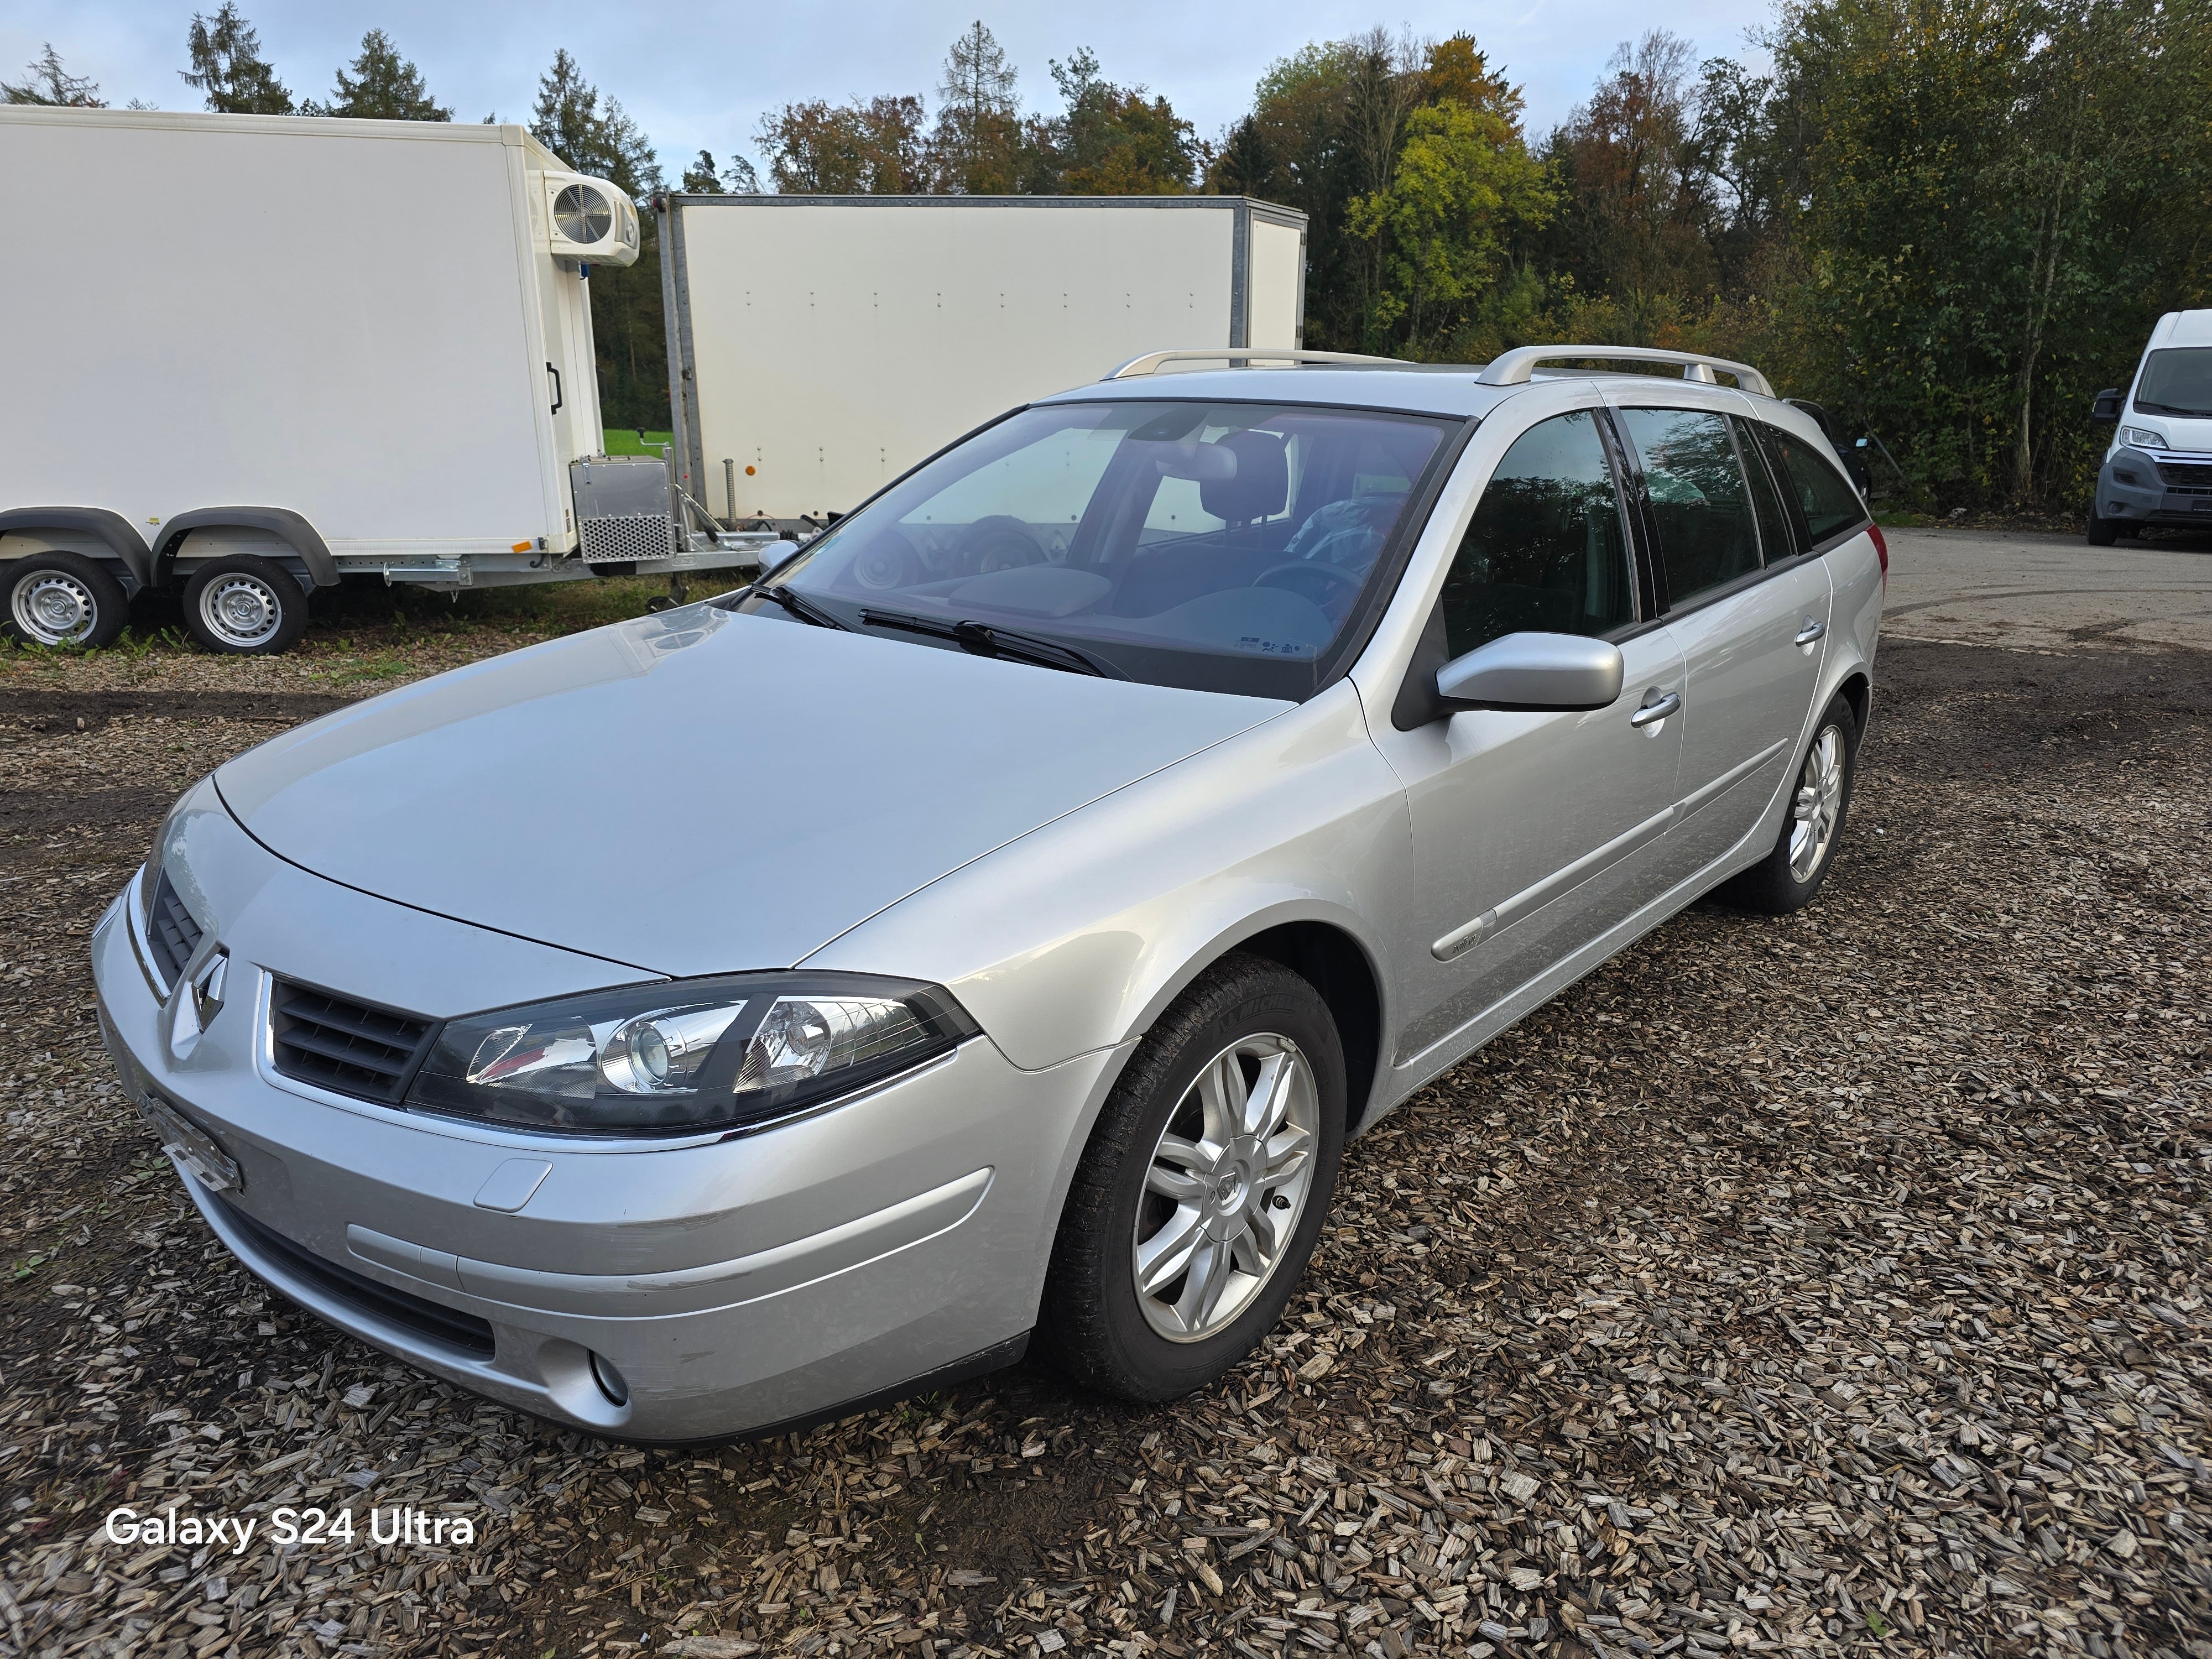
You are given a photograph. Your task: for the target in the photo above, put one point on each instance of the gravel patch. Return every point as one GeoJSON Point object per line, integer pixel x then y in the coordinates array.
{"type": "Point", "coordinates": [1834, 1283]}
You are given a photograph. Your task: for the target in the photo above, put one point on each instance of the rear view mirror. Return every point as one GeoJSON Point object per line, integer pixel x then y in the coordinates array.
{"type": "Point", "coordinates": [2105, 411]}
{"type": "Point", "coordinates": [775, 555]}
{"type": "Point", "coordinates": [1537, 673]}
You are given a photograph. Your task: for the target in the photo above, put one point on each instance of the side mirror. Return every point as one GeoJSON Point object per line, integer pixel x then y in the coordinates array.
{"type": "Point", "coordinates": [1534, 672]}
{"type": "Point", "coordinates": [2105, 411]}
{"type": "Point", "coordinates": [776, 555]}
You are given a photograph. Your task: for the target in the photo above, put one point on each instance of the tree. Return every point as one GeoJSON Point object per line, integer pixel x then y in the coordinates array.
{"type": "Point", "coordinates": [872, 148]}
{"type": "Point", "coordinates": [1460, 185]}
{"type": "Point", "coordinates": [46, 81]}
{"type": "Point", "coordinates": [1109, 140]}
{"type": "Point", "coordinates": [701, 178]}
{"type": "Point", "coordinates": [382, 86]}
{"type": "Point", "coordinates": [977, 148]}
{"type": "Point", "coordinates": [590, 136]}
{"type": "Point", "coordinates": [228, 68]}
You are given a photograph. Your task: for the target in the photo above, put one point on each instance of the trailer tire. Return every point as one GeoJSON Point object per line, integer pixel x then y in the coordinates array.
{"type": "Point", "coordinates": [245, 606]}
{"type": "Point", "coordinates": [63, 599]}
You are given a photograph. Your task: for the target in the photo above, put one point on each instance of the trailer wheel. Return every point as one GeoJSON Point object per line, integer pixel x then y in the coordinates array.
{"type": "Point", "coordinates": [244, 606]}
{"type": "Point", "coordinates": [63, 599]}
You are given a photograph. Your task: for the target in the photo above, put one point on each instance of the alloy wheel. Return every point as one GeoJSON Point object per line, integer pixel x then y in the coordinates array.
{"type": "Point", "coordinates": [1818, 806]}
{"type": "Point", "coordinates": [1226, 1186]}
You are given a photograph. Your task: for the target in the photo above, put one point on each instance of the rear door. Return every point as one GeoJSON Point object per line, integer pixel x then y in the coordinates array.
{"type": "Point", "coordinates": [1533, 834]}
{"type": "Point", "coordinates": [1748, 606]}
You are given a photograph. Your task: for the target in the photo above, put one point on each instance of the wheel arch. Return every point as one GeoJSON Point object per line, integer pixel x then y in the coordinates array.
{"type": "Point", "coordinates": [290, 528]}
{"type": "Point", "coordinates": [1857, 690]}
{"type": "Point", "coordinates": [125, 547]}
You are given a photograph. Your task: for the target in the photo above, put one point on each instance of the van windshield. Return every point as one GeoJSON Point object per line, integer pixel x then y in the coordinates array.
{"type": "Point", "coordinates": [2177, 381]}
{"type": "Point", "coordinates": [1220, 547]}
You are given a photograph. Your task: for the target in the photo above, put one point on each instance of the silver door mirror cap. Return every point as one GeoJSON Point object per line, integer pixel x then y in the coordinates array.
{"type": "Point", "coordinates": [1534, 672]}
{"type": "Point", "coordinates": [776, 555]}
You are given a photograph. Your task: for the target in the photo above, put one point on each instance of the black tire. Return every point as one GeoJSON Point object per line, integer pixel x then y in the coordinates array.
{"type": "Point", "coordinates": [246, 606]}
{"type": "Point", "coordinates": [1774, 886]}
{"type": "Point", "coordinates": [1094, 1325]}
{"type": "Point", "coordinates": [2103, 531]}
{"type": "Point", "coordinates": [65, 598]}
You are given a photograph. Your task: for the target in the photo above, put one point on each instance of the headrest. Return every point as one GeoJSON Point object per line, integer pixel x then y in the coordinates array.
{"type": "Point", "coordinates": [1261, 486]}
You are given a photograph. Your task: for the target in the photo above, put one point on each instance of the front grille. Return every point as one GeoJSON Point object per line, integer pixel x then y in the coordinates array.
{"type": "Point", "coordinates": [2187, 472]}
{"type": "Point", "coordinates": [433, 1321]}
{"type": "Point", "coordinates": [172, 932]}
{"type": "Point", "coordinates": [352, 1048]}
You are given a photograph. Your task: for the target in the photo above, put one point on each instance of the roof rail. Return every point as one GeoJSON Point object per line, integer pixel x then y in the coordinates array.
{"type": "Point", "coordinates": [1514, 368]}
{"type": "Point", "coordinates": [1150, 361]}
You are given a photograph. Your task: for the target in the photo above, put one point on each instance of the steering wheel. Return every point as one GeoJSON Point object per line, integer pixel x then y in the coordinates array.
{"type": "Point", "coordinates": [1309, 579]}
{"type": "Point", "coordinates": [1000, 541]}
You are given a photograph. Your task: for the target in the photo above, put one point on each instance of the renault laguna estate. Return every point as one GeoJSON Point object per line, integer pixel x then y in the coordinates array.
{"type": "Point", "coordinates": [1110, 819]}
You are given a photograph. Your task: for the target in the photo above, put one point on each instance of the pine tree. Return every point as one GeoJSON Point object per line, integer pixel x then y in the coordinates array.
{"type": "Point", "coordinates": [979, 123]}
{"type": "Point", "coordinates": [228, 67]}
{"type": "Point", "coordinates": [590, 136]}
{"type": "Point", "coordinates": [702, 179]}
{"type": "Point", "coordinates": [383, 86]}
{"type": "Point", "coordinates": [46, 81]}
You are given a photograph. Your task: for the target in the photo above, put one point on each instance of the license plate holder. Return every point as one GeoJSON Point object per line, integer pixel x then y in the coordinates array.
{"type": "Point", "coordinates": [192, 1146]}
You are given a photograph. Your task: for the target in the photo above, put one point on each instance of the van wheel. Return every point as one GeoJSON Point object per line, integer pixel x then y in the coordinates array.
{"type": "Point", "coordinates": [1203, 1189]}
{"type": "Point", "coordinates": [2103, 531]}
{"type": "Point", "coordinates": [63, 599]}
{"type": "Point", "coordinates": [245, 605]}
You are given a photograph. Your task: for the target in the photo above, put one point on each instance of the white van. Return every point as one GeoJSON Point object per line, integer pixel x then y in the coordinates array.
{"type": "Point", "coordinates": [2158, 469]}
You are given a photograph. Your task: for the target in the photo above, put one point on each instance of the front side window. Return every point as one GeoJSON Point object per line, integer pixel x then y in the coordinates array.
{"type": "Point", "coordinates": [2177, 380]}
{"type": "Point", "coordinates": [1828, 503]}
{"type": "Point", "coordinates": [1700, 507]}
{"type": "Point", "coordinates": [1544, 551]}
{"type": "Point", "coordinates": [1217, 546]}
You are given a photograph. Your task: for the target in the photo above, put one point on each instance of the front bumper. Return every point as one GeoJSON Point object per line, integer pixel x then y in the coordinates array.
{"type": "Point", "coordinates": [2136, 487]}
{"type": "Point", "coordinates": [646, 1291]}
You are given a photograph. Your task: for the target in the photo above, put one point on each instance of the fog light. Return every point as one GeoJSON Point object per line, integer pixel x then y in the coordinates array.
{"type": "Point", "coordinates": [609, 1381]}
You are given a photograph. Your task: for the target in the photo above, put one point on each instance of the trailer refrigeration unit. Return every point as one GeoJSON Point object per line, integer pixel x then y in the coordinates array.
{"type": "Point", "coordinates": [821, 345]}
{"type": "Point", "coordinates": [258, 354]}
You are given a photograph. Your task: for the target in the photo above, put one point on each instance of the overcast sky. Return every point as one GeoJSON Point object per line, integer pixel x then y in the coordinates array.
{"type": "Point", "coordinates": [700, 77]}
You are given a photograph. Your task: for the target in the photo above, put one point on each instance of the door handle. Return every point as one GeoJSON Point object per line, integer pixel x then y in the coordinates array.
{"type": "Point", "coordinates": [557, 398]}
{"type": "Point", "coordinates": [1811, 631]}
{"type": "Point", "coordinates": [1657, 710]}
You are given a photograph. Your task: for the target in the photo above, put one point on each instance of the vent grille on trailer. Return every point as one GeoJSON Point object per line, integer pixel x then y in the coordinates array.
{"type": "Point", "coordinates": [621, 540]}
{"type": "Point", "coordinates": [349, 1047]}
{"type": "Point", "coordinates": [172, 932]}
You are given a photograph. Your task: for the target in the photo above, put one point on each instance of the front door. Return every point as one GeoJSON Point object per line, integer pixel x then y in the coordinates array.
{"type": "Point", "coordinates": [1534, 833]}
{"type": "Point", "coordinates": [1749, 611]}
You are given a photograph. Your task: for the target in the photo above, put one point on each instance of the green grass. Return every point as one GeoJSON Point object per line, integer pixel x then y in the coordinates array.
{"type": "Point", "coordinates": [621, 441]}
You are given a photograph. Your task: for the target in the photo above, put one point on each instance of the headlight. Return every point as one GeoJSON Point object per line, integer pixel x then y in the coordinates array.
{"type": "Point", "coordinates": [685, 1055]}
{"type": "Point", "coordinates": [2142, 437]}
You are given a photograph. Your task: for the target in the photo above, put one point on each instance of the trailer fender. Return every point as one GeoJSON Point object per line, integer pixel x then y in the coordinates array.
{"type": "Point", "coordinates": [112, 530]}
{"type": "Point", "coordinates": [288, 526]}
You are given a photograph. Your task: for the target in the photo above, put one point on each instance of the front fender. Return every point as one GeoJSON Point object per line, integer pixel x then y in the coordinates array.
{"type": "Point", "coordinates": [1074, 937]}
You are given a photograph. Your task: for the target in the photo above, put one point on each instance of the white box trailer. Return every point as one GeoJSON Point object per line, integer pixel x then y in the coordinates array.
{"type": "Point", "coordinates": [819, 346]}
{"type": "Point", "coordinates": [256, 343]}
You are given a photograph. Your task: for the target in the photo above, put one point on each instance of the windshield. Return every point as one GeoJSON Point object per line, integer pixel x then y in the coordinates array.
{"type": "Point", "coordinates": [1222, 547]}
{"type": "Point", "coordinates": [2177, 381]}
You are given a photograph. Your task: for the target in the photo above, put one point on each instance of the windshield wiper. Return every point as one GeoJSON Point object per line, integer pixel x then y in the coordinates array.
{"type": "Point", "coordinates": [983, 640]}
{"type": "Point", "coordinates": [2145, 406]}
{"type": "Point", "coordinates": [804, 609]}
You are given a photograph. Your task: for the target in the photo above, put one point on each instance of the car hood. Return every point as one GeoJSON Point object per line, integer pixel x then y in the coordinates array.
{"type": "Point", "coordinates": [703, 792]}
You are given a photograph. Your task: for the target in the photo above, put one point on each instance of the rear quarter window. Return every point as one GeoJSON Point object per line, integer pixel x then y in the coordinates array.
{"type": "Point", "coordinates": [1828, 503]}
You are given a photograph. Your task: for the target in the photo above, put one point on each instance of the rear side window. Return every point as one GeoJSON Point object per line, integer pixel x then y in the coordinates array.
{"type": "Point", "coordinates": [1777, 539]}
{"type": "Point", "coordinates": [1544, 552]}
{"type": "Point", "coordinates": [1829, 505]}
{"type": "Point", "coordinates": [1700, 503]}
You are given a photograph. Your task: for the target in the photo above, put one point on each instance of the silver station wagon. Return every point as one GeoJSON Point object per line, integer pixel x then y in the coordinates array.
{"type": "Point", "coordinates": [1121, 811]}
